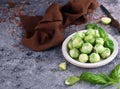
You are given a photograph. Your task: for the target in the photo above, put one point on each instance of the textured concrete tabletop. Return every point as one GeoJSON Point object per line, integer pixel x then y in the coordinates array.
{"type": "Point", "coordinates": [21, 68]}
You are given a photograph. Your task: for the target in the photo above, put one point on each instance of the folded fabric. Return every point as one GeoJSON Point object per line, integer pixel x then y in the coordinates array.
{"type": "Point", "coordinates": [44, 32]}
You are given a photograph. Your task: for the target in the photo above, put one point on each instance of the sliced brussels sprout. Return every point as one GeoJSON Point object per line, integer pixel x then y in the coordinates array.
{"type": "Point", "coordinates": [77, 42]}
{"type": "Point", "coordinates": [94, 57]}
{"type": "Point", "coordinates": [90, 39]}
{"type": "Point", "coordinates": [106, 53]}
{"type": "Point", "coordinates": [98, 48]}
{"type": "Point", "coordinates": [106, 20]}
{"type": "Point", "coordinates": [83, 58]}
{"type": "Point", "coordinates": [86, 48]}
{"type": "Point", "coordinates": [74, 53]}
{"type": "Point", "coordinates": [99, 41]}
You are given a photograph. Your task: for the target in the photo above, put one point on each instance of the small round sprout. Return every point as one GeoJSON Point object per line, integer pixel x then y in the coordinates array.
{"type": "Point", "coordinates": [99, 41]}
{"type": "Point", "coordinates": [97, 33]}
{"type": "Point", "coordinates": [70, 44]}
{"type": "Point", "coordinates": [106, 53]}
{"type": "Point", "coordinates": [80, 34]}
{"type": "Point", "coordinates": [77, 42]}
{"type": "Point", "coordinates": [94, 57]}
{"type": "Point", "coordinates": [83, 58]}
{"type": "Point", "coordinates": [86, 48]}
{"type": "Point", "coordinates": [74, 53]}
{"type": "Point", "coordinates": [98, 48]}
{"type": "Point", "coordinates": [90, 32]}
{"type": "Point", "coordinates": [90, 39]}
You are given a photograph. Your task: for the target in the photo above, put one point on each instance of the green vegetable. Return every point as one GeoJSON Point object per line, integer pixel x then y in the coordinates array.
{"type": "Point", "coordinates": [94, 57]}
{"type": "Point", "coordinates": [83, 58]}
{"type": "Point", "coordinates": [106, 20]}
{"type": "Point", "coordinates": [77, 42]}
{"type": "Point", "coordinates": [90, 39]}
{"type": "Point", "coordinates": [99, 41]}
{"type": "Point", "coordinates": [92, 26]}
{"type": "Point", "coordinates": [71, 80]}
{"type": "Point", "coordinates": [109, 44]}
{"type": "Point", "coordinates": [93, 78]}
{"type": "Point", "coordinates": [86, 48]}
{"type": "Point", "coordinates": [80, 34]}
{"type": "Point", "coordinates": [74, 53]}
{"type": "Point", "coordinates": [70, 44]}
{"type": "Point", "coordinates": [115, 73]}
{"type": "Point", "coordinates": [62, 66]}
{"type": "Point", "coordinates": [102, 33]}
{"type": "Point", "coordinates": [90, 32]}
{"type": "Point", "coordinates": [106, 53]}
{"type": "Point", "coordinates": [98, 48]}
{"type": "Point", "coordinates": [102, 79]}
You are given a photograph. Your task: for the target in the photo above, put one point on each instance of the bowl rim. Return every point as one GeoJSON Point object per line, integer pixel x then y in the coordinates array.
{"type": "Point", "coordinates": [88, 65]}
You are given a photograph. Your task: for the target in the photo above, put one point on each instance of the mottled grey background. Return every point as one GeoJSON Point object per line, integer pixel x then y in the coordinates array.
{"type": "Point", "coordinates": [21, 68]}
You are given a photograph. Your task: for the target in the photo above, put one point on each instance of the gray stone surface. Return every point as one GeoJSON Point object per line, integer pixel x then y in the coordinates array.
{"type": "Point", "coordinates": [21, 68]}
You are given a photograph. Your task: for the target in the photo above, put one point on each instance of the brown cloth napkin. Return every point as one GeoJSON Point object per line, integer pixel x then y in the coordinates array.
{"type": "Point", "coordinates": [42, 33]}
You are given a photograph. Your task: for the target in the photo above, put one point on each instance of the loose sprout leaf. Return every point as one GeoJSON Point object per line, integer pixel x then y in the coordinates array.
{"type": "Point", "coordinates": [71, 80]}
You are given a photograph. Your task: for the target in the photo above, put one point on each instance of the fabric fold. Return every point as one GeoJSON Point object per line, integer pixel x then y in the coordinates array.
{"type": "Point", "coordinates": [44, 32]}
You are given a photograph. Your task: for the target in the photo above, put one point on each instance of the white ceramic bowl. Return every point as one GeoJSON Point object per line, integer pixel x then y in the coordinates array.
{"type": "Point", "coordinates": [88, 65]}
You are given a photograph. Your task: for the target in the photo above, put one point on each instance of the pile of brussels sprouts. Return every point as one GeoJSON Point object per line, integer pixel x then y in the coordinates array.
{"type": "Point", "coordinates": [91, 46]}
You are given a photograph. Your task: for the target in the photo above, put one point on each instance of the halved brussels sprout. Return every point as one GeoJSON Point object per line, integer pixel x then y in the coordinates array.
{"type": "Point", "coordinates": [74, 53]}
{"type": "Point", "coordinates": [106, 53]}
{"type": "Point", "coordinates": [98, 48]}
{"type": "Point", "coordinates": [86, 48]}
{"type": "Point", "coordinates": [77, 42]}
{"type": "Point", "coordinates": [94, 57]}
{"type": "Point", "coordinates": [83, 58]}
{"type": "Point", "coordinates": [99, 41]}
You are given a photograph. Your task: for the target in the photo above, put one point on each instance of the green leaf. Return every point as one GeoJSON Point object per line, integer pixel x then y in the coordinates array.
{"type": "Point", "coordinates": [92, 26]}
{"type": "Point", "coordinates": [109, 44]}
{"type": "Point", "coordinates": [102, 33]}
{"type": "Point", "coordinates": [71, 80]}
{"type": "Point", "coordinates": [93, 78]}
{"type": "Point", "coordinates": [115, 73]}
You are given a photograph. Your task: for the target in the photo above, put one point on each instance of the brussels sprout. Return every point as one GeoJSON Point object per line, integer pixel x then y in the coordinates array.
{"type": "Point", "coordinates": [90, 39]}
{"type": "Point", "coordinates": [100, 41]}
{"type": "Point", "coordinates": [69, 45]}
{"type": "Point", "coordinates": [90, 32]}
{"type": "Point", "coordinates": [74, 53]}
{"type": "Point", "coordinates": [94, 57]}
{"type": "Point", "coordinates": [80, 34]}
{"type": "Point", "coordinates": [83, 58]}
{"type": "Point", "coordinates": [86, 48]}
{"type": "Point", "coordinates": [106, 20]}
{"type": "Point", "coordinates": [77, 42]}
{"type": "Point", "coordinates": [106, 53]}
{"type": "Point", "coordinates": [97, 33]}
{"type": "Point", "coordinates": [98, 48]}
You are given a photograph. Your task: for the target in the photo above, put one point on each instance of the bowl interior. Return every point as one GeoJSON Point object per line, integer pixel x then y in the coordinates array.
{"type": "Point", "coordinates": [88, 65]}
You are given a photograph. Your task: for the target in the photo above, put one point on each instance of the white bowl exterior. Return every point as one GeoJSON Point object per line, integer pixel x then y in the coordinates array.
{"type": "Point", "coordinates": [88, 65]}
